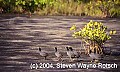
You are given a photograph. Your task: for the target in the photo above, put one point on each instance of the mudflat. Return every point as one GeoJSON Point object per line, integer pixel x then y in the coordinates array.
{"type": "Point", "coordinates": [20, 38]}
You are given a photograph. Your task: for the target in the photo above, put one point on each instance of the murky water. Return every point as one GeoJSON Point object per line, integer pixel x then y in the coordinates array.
{"type": "Point", "coordinates": [20, 38]}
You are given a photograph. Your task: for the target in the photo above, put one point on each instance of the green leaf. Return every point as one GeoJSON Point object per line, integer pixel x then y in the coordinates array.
{"type": "Point", "coordinates": [94, 31]}
{"type": "Point", "coordinates": [16, 3]}
{"type": "Point", "coordinates": [36, 3]}
{"type": "Point", "coordinates": [73, 27]}
{"type": "Point", "coordinates": [114, 32]}
{"type": "Point", "coordinates": [23, 2]}
{"type": "Point", "coordinates": [30, 4]}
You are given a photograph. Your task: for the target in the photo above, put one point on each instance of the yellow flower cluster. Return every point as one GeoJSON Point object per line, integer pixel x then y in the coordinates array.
{"type": "Point", "coordinates": [94, 31]}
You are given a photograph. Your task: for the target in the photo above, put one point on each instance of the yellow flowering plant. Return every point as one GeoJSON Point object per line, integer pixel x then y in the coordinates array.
{"type": "Point", "coordinates": [94, 34]}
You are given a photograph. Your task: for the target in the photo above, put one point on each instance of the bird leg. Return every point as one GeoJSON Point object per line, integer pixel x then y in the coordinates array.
{"type": "Point", "coordinates": [45, 58]}
{"type": "Point", "coordinates": [59, 58]}
{"type": "Point", "coordinates": [71, 59]}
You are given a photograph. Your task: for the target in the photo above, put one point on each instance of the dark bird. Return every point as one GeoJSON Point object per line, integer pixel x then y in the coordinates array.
{"type": "Point", "coordinates": [107, 51]}
{"type": "Point", "coordinates": [94, 55]}
{"type": "Point", "coordinates": [70, 54]}
{"type": "Point", "coordinates": [58, 54]}
{"type": "Point", "coordinates": [43, 53]}
{"type": "Point", "coordinates": [77, 54]}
